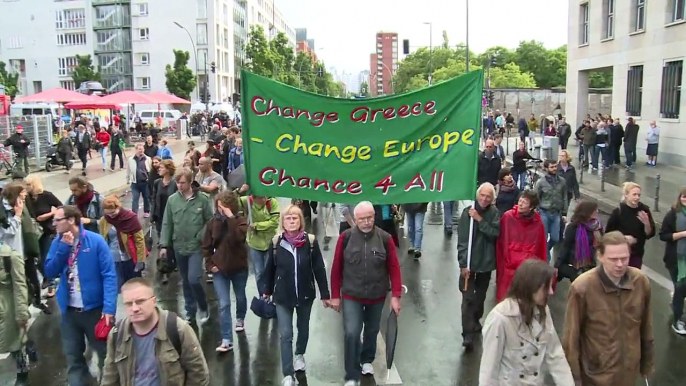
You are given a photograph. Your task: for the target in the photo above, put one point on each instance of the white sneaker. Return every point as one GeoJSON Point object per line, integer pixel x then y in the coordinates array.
{"type": "Point", "coordinates": [289, 381]}
{"type": "Point", "coordinates": [299, 363]}
{"type": "Point", "coordinates": [203, 316]}
{"type": "Point", "coordinates": [367, 369]}
{"type": "Point", "coordinates": [352, 383]}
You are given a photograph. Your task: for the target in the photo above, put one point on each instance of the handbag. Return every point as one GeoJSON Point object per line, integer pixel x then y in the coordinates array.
{"type": "Point", "coordinates": [264, 308]}
{"type": "Point", "coordinates": [102, 329]}
{"type": "Point", "coordinates": [168, 265]}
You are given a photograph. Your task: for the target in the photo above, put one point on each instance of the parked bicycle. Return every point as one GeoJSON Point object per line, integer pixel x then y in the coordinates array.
{"type": "Point", "coordinates": [8, 162]}
{"type": "Point", "coordinates": [533, 172]}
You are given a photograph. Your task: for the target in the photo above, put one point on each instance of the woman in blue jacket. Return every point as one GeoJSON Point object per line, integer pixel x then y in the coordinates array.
{"type": "Point", "coordinates": [163, 150]}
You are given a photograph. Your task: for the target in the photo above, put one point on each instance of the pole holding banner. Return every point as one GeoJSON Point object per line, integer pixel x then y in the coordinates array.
{"type": "Point", "coordinates": [469, 252]}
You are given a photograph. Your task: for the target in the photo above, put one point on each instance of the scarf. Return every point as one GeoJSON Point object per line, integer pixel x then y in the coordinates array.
{"type": "Point", "coordinates": [84, 200]}
{"type": "Point", "coordinates": [583, 251]}
{"type": "Point", "coordinates": [681, 247]}
{"type": "Point", "coordinates": [507, 188]}
{"type": "Point", "coordinates": [125, 222]}
{"type": "Point", "coordinates": [297, 241]}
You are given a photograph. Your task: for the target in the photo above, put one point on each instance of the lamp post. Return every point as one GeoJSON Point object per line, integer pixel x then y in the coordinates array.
{"type": "Point", "coordinates": [467, 37]}
{"type": "Point", "coordinates": [431, 51]}
{"type": "Point", "coordinates": [300, 69]}
{"type": "Point", "coordinates": [392, 81]}
{"type": "Point", "coordinates": [197, 71]}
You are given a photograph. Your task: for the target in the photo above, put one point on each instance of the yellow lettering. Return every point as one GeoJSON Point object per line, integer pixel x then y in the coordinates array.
{"type": "Point", "coordinates": [315, 149]}
{"type": "Point", "coordinates": [450, 139]}
{"type": "Point", "coordinates": [420, 141]}
{"type": "Point", "coordinates": [389, 149]}
{"type": "Point", "coordinates": [364, 153]}
{"type": "Point", "coordinates": [331, 149]}
{"type": "Point", "coordinates": [348, 154]}
{"type": "Point", "coordinates": [435, 142]}
{"type": "Point", "coordinates": [408, 147]}
{"type": "Point", "coordinates": [299, 145]}
{"type": "Point", "coordinates": [467, 136]}
{"type": "Point", "coordinates": [283, 137]}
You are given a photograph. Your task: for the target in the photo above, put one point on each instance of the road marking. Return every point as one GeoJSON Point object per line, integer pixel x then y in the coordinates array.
{"type": "Point", "coordinates": [658, 278]}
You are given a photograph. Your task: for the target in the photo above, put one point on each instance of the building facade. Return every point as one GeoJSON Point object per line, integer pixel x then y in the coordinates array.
{"type": "Point", "coordinates": [302, 46]}
{"type": "Point", "coordinates": [264, 13]}
{"type": "Point", "coordinates": [384, 63]}
{"type": "Point", "coordinates": [131, 42]}
{"type": "Point", "coordinates": [644, 44]}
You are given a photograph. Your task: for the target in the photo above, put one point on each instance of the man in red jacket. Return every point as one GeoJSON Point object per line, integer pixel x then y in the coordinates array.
{"type": "Point", "coordinates": [364, 261]}
{"type": "Point", "coordinates": [102, 138]}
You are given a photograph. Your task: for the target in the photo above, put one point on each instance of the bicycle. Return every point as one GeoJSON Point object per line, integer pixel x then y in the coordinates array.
{"type": "Point", "coordinates": [8, 162]}
{"type": "Point", "coordinates": [532, 173]}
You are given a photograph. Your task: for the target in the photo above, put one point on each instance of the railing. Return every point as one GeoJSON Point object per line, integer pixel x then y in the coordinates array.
{"type": "Point", "coordinates": [39, 130]}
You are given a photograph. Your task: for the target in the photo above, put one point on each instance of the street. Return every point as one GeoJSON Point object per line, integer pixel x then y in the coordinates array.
{"type": "Point", "coordinates": [429, 350]}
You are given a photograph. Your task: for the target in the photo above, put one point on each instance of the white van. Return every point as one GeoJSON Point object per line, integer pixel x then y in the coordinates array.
{"type": "Point", "coordinates": [26, 109]}
{"type": "Point", "coordinates": [168, 116]}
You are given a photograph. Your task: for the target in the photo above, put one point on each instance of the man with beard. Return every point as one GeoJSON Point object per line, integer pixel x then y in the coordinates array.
{"type": "Point", "coordinates": [87, 200]}
{"type": "Point", "coordinates": [489, 165]}
{"type": "Point", "coordinates": [552, 194]}
{"type": "Point", "coordinates": [475, 274]}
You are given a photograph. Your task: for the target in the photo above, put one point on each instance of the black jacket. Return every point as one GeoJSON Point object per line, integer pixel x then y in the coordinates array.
{"type": "Point", "coordinates": [570, 178]}
{"type": "Point", "coordinates": [22, 149]}
{"type": "Point", "coordinates": [506, 200]}
{"type": "Point", "coordinates": [83, 144]}
{"type": "Point", "coordinates": [488, 169]}
{"type": "Point", "coordinates": [616, 134]}
{"type": "Point", "coordinates": [666, 231]}
{"type": "Point", "coordinates": [625, 219]}
{"type": "Point", "coordinates": [567, 251]}
{"type": "Point", "coordinates": [519, 161]}
{"type": "Point", "coordinates": [279, 274]}
{"type": "Point", "coordinates": [630, 136]}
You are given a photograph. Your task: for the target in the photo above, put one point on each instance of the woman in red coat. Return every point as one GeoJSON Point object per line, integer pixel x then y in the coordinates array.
{"type": "Point", "coordinates": [522, 237]}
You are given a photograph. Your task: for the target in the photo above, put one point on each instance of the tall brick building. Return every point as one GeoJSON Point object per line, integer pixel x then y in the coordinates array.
{"type": "Point", "coordinates": [383, 63]}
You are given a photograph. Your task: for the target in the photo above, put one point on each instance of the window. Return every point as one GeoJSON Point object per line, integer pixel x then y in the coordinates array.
{"type": "Point", "coordinates": [202, 59]}
{"type": "Point", "coordinates": [678, 10]}
{"type": "Point", "coordinates": [68, 84]}
{"type": "Point", "coordinates": [670, 97]}
{"type": "Point", "coordinates": [70, 18]}
{"type": "Point", "coordinates": [66, 65]}
{"type": "Point", "coordinates": [37, 86]}
{"type": "Point", "coordinates": [142, 9]}
{"type": "Point", "coordinates": [584, 22]}
{"type": "Point", "coordinates": [143, 83]}
{"type": "Point", "coordinates": [202, 9]}
{"type": "Point", "coordinates": [144, 34]}
{"type": "Point", "coordinates": [608, 19]}
{"type": "Point", "coordinates": [144, 58]}
{"type": "Point", "coordinates": [201, 37]}
{"type": "Point", "coordinates": [71, 39]}
{"type": "Point", "coordinates": [16, 42]}
{"type": "Point", "coordinates": [634, 90]}
{"type": "Point", "coordinates": [638, 15]}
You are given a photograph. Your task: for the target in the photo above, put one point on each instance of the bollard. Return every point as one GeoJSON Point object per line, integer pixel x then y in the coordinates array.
{"type": "Point", "coordinates": [602, 177]}
{"type": "Point", "coordinates": [657, 194]}
{"type": "Point", "coordinates": [581, 173]}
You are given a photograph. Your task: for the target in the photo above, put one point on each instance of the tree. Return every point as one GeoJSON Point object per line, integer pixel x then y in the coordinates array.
{"type": "Point", "coordinates": [511, 76]}
{"type": "Point", "coordinates": [10, 81]}
{"type": "Point", "coordinates": [85, 71]}
{"type": "Point", "coordinates": [364, 89]}
{"type": "Point", "coordinates": [446, 42]}
{"type": "Point", "coordinates": [180, 78]}
{"type": "Point", "coordinates": [548, 67]}
{"type": "Point", "coordinates": [600, 79]}
{"type": "Point", "coordinates": [500, 56]}
{"type": "Point", "coordinates": [259, 56]}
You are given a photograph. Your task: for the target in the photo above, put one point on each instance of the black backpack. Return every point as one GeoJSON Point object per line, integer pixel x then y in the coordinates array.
{"type": "Point", "coordinates": [171, 327]}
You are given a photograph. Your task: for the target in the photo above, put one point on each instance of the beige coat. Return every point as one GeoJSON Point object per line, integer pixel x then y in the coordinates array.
{"type": "Point", "coordinates": [516, 355]}
{"type": "Point", "coordinates": [14, 301]}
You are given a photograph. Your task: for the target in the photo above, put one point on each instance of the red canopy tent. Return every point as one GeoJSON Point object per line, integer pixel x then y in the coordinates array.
{"type": "Point", "coordinates": [54, 95]}
{"type": "Point", "coordinates": [127, 97]}
{"type": "Point", "coordinates": [95, 102]}
{"type": "Point", "coordinates": [162, 97]}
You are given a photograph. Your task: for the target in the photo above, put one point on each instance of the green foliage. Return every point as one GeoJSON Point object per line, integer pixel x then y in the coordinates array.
{"type": "Point", "coordinates": [511, 76]}
{"type": "Point", "coordinates": [180, 78]}
{"type": "Point", "coordinates": [364, 89]}
{"type": "Point", "coordinates": [600, 79]}
{"type": "Point", "coordinates": [10, 81]}
{"type": "Point", "coordinates": [549, 67]}
{"type": "Point", "coordinates": [446, 42]}
{"type": "Point", "coordinates": [85, 71]}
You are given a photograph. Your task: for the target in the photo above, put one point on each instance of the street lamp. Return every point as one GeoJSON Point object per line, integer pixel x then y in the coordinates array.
{"type": "Point", "coordinates": [195, 55]}
{"type": "Point", "coordinates": [392, 81]}
{"type": "Point", "coordinates": [301, 67]}
{"type": "Point", "coordinates": [467, 37]}
{"type": "Point", "coordinates": [431, 51]}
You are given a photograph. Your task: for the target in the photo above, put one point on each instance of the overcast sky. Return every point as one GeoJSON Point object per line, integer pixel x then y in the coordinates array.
{"type": "Point", "coordinates": [344, 30]}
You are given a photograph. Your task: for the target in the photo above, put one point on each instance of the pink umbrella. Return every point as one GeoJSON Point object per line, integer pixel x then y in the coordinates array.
{"type": "Point", "coordinates": [127, 97]}
{"type": "Point", "coordinates": [163, 97]}
{"type": "Point", "coordinates": [54, 95]}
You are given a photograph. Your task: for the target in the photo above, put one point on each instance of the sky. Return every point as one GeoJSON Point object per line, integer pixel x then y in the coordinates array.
{"type": "Point", "coordinates": [345, 30]}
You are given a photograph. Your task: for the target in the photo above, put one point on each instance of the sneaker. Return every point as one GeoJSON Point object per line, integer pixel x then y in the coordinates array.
{"type": "Point", "coordinates": [203, 316]}
{"type": "Point", "coordinates": [679, 327]}
{"type": "Point", "coordinates": [209, 278]}
{"type": "Point", "coordinates": [410, 251]}
{"type": "Point", "coordinates": [468, 342]}
{"type": "Point", "coordinates": [224, 347]}
{"type": "Point", "coordinates": [417, 254]}
{"type": "Point", "coordinates": [299, 363]}
{"type": "Point", "coordinates": [146, 214]}
{"type": "Point", "coordinates": [352, 383]}
{"type": "Point", "coordinates": [289, 380]}
{"type": "Point", "coordinates": [367, 369]}
{"type": "Point", "coordinates": [240, 325]}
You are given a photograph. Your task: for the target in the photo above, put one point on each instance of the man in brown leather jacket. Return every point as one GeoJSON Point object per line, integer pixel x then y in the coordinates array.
{"type": "Point", "coordinates": [608, 328]}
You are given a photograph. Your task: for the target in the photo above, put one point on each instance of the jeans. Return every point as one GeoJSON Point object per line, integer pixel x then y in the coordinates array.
{"type": "Point", "coordinates": [44, 242]}
{"type": "Point", "coordinates": [103, 156]}
{"type": "Point", "coordinates": [630, 156]}
{"type": "Point", "coordinates": [115, 153]}
{"type": "Point", "coordinates": [415, 228]}
{"type": "Point", "coordinates": [125, 270]}
{"type": "Point", "coordinates": [259, 261]}
{"type": "Point", "coordinates": [191, 268]}
{"type": "Point", "coordinates": [356, 316]}
{"type": "Point", "coordinates": [551, 223]}
{"type": "Point", "coordinates": [449, 208]}
{"type": "Point", "coordinates": [74, 327]}
{"type": "Point", "coordinates": [679, 294]}
{"type": "Point", "coordinates": [140, 189]}
{"type": "Point", "coordinates": [597, 151]}
{"type": "Point", "coordinates": [588, 154]}
{"type": "Point", "coordinates": [284, 317]}
{"type": "Point", "coordinates": [222, 287]}
{"type": "Point", "coordinates": [520, 179]}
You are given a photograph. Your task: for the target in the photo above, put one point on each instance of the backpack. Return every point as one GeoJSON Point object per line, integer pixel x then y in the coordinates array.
{"type": "Point", "coordinates": [276, 240]}
{"type": "Point", "coordinates": [171, 327]}
{"type": "Point", "coordinates": [268, 204]}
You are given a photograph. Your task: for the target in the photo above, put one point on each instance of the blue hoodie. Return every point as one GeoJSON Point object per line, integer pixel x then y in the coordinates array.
{"type": "Point", "coordinates": [96, 272]}
{"type": "Point", "coordinates": [164, 153]}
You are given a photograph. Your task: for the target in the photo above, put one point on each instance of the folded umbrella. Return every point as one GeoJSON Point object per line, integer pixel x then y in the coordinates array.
{"type": "Point", "coordinates": [391, 339]}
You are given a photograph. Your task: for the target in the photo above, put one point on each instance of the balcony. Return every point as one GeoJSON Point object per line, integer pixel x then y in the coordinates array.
{"type": "Point", "coordinates": [112, 41]}
{"type": "Point", "coordinates": [110, 2]}
{"type": "Point", "coordinates": [112, 17]}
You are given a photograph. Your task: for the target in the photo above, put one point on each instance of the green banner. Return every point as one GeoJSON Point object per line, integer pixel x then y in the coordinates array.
{"type": "Point", "coordinates": [415, 147]}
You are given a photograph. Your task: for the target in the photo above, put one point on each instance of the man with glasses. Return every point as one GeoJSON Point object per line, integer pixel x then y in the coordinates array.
{"type": "Point", "coordinates": [364, 262]}
{"type": "Point", "coordinates": [163, 349]}
{"type": "Point", "coordinates": [87, 291]}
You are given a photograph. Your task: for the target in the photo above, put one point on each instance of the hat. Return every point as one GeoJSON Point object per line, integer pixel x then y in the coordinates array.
{"type": "Point", "coordinates": [19, 127]}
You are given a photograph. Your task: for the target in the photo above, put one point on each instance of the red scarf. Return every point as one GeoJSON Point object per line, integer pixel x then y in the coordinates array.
{"type": "Point", "coordinates": [84, 200]}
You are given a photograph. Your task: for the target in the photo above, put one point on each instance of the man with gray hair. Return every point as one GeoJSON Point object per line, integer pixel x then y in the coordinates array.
{"type": "Point", "coordinates": [364, 261]}
{"type": "Point", "coordinates": [476, 265]}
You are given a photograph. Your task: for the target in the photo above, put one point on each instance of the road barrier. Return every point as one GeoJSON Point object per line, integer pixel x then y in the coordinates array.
{"type": "Point", "coordinates": [39, 130]}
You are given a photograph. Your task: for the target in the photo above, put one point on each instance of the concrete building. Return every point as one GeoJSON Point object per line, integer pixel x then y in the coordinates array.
{"type": "Point", "coordinates": [131, 42]}
{"type": "Point", "coordinates": [384, 63]}
{"type": "Point", "coordinates": [264, 13]}
{"type": "Point", "coordinates": [644, 45]}
{"type": "Point", "coordinates": [302, 46]}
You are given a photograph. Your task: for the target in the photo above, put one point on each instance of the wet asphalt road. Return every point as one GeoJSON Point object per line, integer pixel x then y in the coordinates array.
{"type": "Point", "coordinates": [429, 350]}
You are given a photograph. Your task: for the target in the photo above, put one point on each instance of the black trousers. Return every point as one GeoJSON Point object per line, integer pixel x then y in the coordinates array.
{"type": "Point", "coordinates": [83, 156]}
{"type": "Point", "coordinates": [23, 158]}
{"type": "Point", "coordinates": [114, 153]}
{"type": "Point", "coordinates": [473, 300]}
{"type": "Point", "coordinates": [32, 278]}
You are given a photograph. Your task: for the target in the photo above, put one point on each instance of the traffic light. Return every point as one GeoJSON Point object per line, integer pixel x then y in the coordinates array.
{"type": "Point", "coordinates": [491, 94]}
{"type": "Point", "coordinates": [213, 67]}
{"type": "Point", "coordinates": [406, 47]}
{"type": "Point", "coordinates": [320, 72]}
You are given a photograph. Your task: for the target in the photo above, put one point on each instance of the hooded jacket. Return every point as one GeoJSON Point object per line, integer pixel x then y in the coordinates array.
{"type": "Point", "coordinates": [224, 244]}
{"type": "Point", "coordinates": [483, 240]}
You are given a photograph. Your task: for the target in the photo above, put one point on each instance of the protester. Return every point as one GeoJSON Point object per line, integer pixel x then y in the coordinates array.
{"type": "Point", "coordinates": [226, 258]}
{"type": "Point", "coordinates": [185, 216]}
{"type": "Point", "coordinates": [489, 165]}
{"type": "Point", "coordinates": [152, 346]}
{"type": "Point", "coordinates": [164, 151]}
{"type": "Point", "coordinates": [567, 171]}
{"type": "Point", "coordinates": [116, 148]}
{"type": "Point", "coordinates": [102, 141]}
{"type": "Point", "coordinates": [65, 148]}
{"type": "Point", "coordinates": [14, 301]}
{"type": "Point", "coordinates": [634, 219]}
{"type": "Point", "coordinates": [20, 146]}
{"type": "Point", "coordinates": [414, 213]}
{"type": "Point", "coordinates": [608, 327]}
{"type": "Point", "coordinates": [507, 192]}
{"type": "Point", "coordinates": [552, 194]}
{"type": "Point", "coordinates": [211, 182]}
{"type": "Point", "coordinates": [475, 269]}
{"type": "Point", "coordinates": [138, 172]}
{"type": "Point", "coordinates": [519, 159]}
{"type": "Point", "coordinates": [581, 238]}
{"type": "Point", "coordinates": [294, 263]}
{"type": "Point", "coordinates": [384, 218]}
{"type": "Point", "coordinates": [630, 141]}
{"type": "Point", "coordinates": [83, 143]}
{"type": "Point", "coordinates": [673, 233]}
{"type": "Point", "coordinates": [87, 292]}
{"type": "Point", "coordinates": [87, 200]}
{"type": "Point", "coordinates": [364, 262]}
{"type": "Point", "coordinates": [523, 320]}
